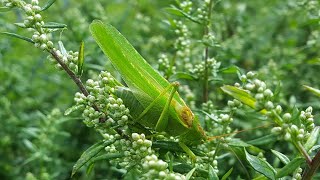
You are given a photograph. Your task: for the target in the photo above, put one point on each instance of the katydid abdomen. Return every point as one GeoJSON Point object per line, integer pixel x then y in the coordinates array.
{"type": "Point", "coordinates": [190, 135]}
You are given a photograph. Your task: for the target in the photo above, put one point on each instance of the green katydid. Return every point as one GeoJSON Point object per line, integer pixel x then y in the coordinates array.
{"type": "Point", "coordinates": [164, 109]}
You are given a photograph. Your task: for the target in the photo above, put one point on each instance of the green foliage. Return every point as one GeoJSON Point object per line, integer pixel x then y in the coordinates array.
{"type": "Point", "coordinates": [207, 46]}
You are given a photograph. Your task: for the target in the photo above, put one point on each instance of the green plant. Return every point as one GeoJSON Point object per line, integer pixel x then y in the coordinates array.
{"type": "Point", "coordinates": [209, 37]}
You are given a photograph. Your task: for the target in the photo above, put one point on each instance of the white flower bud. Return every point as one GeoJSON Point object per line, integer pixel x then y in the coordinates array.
{"type": "Point", "coordinates": [43, 37]}
{"type": "Point", "coordinates": [309, 109]}
{"type": "Point", "coordinates": [278, 109]}
{"type": "Point", "coordinates": [259, 96]}
{"type": "Point", "coordinates": [250, 75]}
{"type": "Point", "coordinates": [269, 105]}
{"type": "Point", "coordinates": [37, 17]}
{"type": "Point", "coordinates": [34, 2]}
{"type": "Point", "coordinates": [43, 47]}
{"type": "Point", "coordinates": [268, 93]}
{"type": "Point", "coordinates": [276, 130]}
{"type": "Point", "coordinates": [243, 78]}
{"type": "Point", "coordinates": [249, 86]}
{"type": "Point", "coordinates": [287, 117]}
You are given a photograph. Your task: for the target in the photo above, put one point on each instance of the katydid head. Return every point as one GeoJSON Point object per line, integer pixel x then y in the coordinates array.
{"type": "Point", "coordinates": [187, 116]}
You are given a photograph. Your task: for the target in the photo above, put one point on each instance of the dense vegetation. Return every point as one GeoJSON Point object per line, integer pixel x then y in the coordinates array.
{"type": "Point", "coordinates": [242, 65]}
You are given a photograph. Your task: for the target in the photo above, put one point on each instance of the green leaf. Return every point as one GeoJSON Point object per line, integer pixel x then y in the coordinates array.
{"type": "Point", "coordinates": [62, 49]}
{"type": "Point", "coordinates": [29, 145]}
{"type": "Point", "coordinates": [182, 75]}
{"type": "Point", "coordinates": [313, 138]}
{"type": "Point", "coordinates": [81, 58]}
{"type": "Point", "coordinates": [263, 140]}
{"type": "Point", "coordinates": [290, 167]}
{"type": "Point", "coordinates": [4, 9]}
{"type": "Point", "coordinates": [105, 157]}
{"type": "Point", "coordinates": [261, 166]}
{"type": "Point", "coordinates": [174, 147]}
{"type": "Point", "coordinates": [89, 154]}
{"type": "Point", "coordinates": [175, 11]}
{"type": "Point", "coordinates": [240, 95]}
{"type": "Point", "coordinates": [212, 175]}
{"type": "Point", "coordinates": [283, 158]}
{"type": "Point", "coordinates": [20, 25]}
{"type": "Point", "coordinates": [238, 143]}
{"type": "Point", "coordinates": [90, 168]}
{"type": "Point", "coordinates": [230, 70]}
{"type": "Point", "coordinates": [18, 36]}
{"type": "Point", "coordinates": [54, 25]}
{"type": "Point", "coordinates": [189, 175]}
{"type": "Point", "coordinates": [313, 90]}
{"type": "Point", "coordinates": [70, 110]}
{"type": "Point", "coordinates": [47, 5]}
{"type": "Point", "coordinates": [226, 175]}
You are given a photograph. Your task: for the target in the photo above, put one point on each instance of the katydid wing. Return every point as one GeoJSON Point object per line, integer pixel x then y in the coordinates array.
{"type": "Point", "coordinates": [146, 84]}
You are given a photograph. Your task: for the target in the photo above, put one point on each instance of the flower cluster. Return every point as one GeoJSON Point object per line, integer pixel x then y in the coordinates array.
{"type": "Point", "coordinates": [157, 169]}
{"type": "Point", "coordinates": [103, 103]}
{"type": "Point", "coordinates": [69, 58]}
{"type": "Point", "coordinates": [182, 43]}
{"type": "Point", "coordinates": [291, 129]}
{"type": "Point", "coordinates": [212, 67]}
{"type": "Point", "coordinates": [202, 12]}
{"type": "Point", "coordinates": [186, 6]}
{"type": "Point", "coordinates": [34, 22]}
{"type": "Point", "coordinates": [164, 65]}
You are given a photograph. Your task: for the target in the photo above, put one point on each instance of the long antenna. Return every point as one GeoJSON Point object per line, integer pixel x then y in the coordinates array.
{"type": "Point", "coordinates": [236, 132]}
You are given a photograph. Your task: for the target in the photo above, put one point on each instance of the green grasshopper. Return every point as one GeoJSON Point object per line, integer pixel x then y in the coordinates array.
{"type": "Point", "coordinates": [159, 105]}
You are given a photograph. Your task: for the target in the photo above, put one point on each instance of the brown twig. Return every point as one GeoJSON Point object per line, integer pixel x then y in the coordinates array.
{"type": "Point", "coordinates": [310, 171]}
{"type": "Point", "coordinates": [75, 78]}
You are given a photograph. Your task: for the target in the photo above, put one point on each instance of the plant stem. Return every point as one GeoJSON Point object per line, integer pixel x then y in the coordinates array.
{"type": "Point", "coordinates": [304, 153]}
{"type": "Point", "coordinates": [309, 171]}
{"type": "Point", "coordinates": [75, 78]}
{"type": "Point", "coordinates": [206, 56]}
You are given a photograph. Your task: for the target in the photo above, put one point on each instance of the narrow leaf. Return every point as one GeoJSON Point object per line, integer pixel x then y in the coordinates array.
{"type": "Point", "coordinates": [70, 110]}
{"type": "Point", "coordinates": [90, 168]}
{"type": "Point", "coordinates": [240, 95]}
{"type": "Point", "coordinates": [54, 25]}
{"type": "Point", "coordinates": [18, 36]}
{"type": "Point", "coordinates": [47, 5]}
{"type": "Point", "coordinates": [313, 90]}
{"type": "Point", "coordinates": [62, 49]}
{"type": "Point", "coordinates": [212, 175]}
{"type": "Point", "coordinates": [238, 143]}
{"type": "Point", "coordinates": [174, 147]}
{"type": "Point", "coordinates": [226, 175]}
{"type": "Point", "coordinates": [189, 175]}
{"type": "Point", "coordinates": [81, 58]}
{"type": "Point", "coordinates": [290, 167]}
{"type": "Point", "coordinates": [263, 140]}
{"type": "Point", "coordinates": [313, 138]}
{"type": "Point", "coordinates": [283, 158]}
{"type": "Point", "coordinates": [20, 25]}
{"type": "Point", "coordinates": [230, 70]}
{"type": "Point", "coordinates": [88, 154]}
{"type": "Point", "coordinates": [261, 166]}
{"type": "Point", "coordinates": [105, 157]}
{"type": "Point", "coordinates": [178, 12]}
{"type": "Point", "coordinates": [4, 9]}
{"type": "Point", "coordinates": [185, 168]}
{"type": "Point", "coordinates": [182, 75]}
{"type": "Point", "coordinates": [29, 145]}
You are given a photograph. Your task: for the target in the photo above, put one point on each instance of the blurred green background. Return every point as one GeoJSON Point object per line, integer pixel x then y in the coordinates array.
{"type": "Point", "coordinates": [278, 39]}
